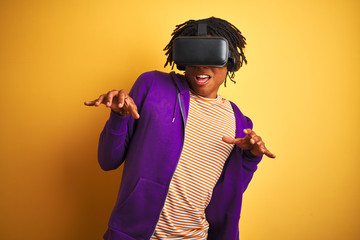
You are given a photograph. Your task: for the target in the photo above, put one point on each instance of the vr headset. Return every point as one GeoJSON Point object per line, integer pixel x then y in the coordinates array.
{"type": "Point", "coordinates": [202, 50]}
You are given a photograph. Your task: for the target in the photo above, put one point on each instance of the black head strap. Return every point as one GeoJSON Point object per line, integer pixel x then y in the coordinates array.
{"type": "Point", "coordinates": [202, 28]}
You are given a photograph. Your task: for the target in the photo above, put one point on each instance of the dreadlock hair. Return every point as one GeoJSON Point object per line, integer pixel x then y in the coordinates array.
{"type": "Point", "coordinates": [215, 27]}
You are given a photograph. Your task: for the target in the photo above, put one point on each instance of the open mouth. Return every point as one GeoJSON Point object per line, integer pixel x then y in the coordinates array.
{"type": "Point", "coordinates": [202, 79]}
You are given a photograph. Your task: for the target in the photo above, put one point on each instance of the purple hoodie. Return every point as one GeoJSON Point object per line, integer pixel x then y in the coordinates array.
{"type": "Point", "coordinates": [150, 148]}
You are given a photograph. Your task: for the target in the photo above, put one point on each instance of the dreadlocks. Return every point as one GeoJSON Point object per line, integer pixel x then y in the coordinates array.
{"type": "Point", "coordinates": [215, 27]}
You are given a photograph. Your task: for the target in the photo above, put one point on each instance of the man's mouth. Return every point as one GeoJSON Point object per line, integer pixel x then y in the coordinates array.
{"type": "Point", "coordinates": [202, 79]}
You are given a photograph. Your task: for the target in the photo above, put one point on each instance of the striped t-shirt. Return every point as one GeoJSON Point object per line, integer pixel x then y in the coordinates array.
{"type": "Point", "coordinates": [200, 165]}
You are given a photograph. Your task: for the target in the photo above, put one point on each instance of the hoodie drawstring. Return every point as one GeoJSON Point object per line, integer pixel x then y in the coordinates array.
{"type": "Point", "coordinates": [175, 106]}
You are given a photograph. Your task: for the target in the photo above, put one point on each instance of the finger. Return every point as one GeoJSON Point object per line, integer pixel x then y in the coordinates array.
{"type": "Point", "coordinates": [122, 96]}
{"type": "Point", "coordinates": [99, 100]}
{"type": "Point", "coordinates": [269, 154]}
{"type": "Point", "coordinates": [231, 140]}
{"type": "Point", "coordinates": [109, 97]}
{"type": "Point", "coordinates": [228, 140]}
{"type": "Point", "coordinates": [252, 134]}
{"type": "Point", "coordinates": [256, 140]}
{"type": "Point", "coordinates": [134, 113]}
{"type": "Point", "coordinates": [131, 106]}
{"type": "Point", "coordinates": [247, 131]}
{"type": "Point", "coordinates": [90, 103]}
{"type": "Point", "coordinates": [241, 141]}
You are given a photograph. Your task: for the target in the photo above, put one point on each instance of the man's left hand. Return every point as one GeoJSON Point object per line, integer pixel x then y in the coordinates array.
{"type": "Point", "coordinates": [251, 142]}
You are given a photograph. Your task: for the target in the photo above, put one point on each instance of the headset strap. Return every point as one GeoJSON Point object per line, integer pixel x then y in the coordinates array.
{"type": "Point", "coordinates": [202, 28]}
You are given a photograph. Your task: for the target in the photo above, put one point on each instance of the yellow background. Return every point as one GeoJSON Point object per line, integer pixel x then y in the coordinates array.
{"type": "Point", "coordinates": [300, 87]}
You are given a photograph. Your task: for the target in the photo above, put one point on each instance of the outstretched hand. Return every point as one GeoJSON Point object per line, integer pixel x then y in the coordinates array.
{"type": "Point", "coordinates": [251, 142]}
{"type": "Point", "coordinates": [118, 101]}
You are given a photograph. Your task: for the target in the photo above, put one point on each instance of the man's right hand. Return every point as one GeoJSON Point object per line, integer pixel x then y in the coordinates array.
{"type": "Point", "coordinates": [119, 102]}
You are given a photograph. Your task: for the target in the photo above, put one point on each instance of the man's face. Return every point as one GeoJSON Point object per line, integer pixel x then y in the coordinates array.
{"type": "Point", "coordinates": [205, 81]}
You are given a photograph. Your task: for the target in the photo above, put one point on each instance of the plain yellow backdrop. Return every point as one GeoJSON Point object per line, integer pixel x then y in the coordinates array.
{"type": "Point", "coordinates": [300, 87]}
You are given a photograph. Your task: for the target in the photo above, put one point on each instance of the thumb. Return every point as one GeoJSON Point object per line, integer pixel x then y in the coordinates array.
{"type": "Point", "coordinates": [228, 140]}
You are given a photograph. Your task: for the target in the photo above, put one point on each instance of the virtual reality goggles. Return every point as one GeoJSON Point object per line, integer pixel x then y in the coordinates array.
{"type": "Point", "coordinates": [202, 50]}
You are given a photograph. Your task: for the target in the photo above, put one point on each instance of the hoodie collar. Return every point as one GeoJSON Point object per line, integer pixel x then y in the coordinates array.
{"type": "Point", "coordinates": [180, 82]}
{"type": "Point", "coordinates": [182, 95]}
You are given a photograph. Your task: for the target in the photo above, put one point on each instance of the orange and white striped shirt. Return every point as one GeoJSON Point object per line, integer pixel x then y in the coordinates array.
{"type": "Point", "coordinates": [200, 165]}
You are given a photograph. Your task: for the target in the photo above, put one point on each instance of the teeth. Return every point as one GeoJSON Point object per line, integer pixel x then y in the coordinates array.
{"type": "Point", "coordinates": [202, 76]}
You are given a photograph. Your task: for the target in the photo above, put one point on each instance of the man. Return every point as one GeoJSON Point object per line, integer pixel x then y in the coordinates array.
{"type": "Point", "coordinates": [188, 153]}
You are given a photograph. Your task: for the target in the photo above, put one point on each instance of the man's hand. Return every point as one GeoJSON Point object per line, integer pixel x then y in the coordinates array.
{"type": "Point", "coordinates": [119, 102]}
{"type": "Point", "coordinates": [250, 142]}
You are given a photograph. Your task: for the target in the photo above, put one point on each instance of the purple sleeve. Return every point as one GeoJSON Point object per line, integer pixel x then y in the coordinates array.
{"type": "Point", "coordinates": [250, 162]}
{"type": "Point", "coordinates": [116, 135]}
{"type": "Point", "coordinates": [113, 142]}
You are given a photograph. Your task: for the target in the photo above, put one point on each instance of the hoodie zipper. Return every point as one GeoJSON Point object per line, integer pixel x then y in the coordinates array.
{"type": "Point", "coordinates": [183, 119]}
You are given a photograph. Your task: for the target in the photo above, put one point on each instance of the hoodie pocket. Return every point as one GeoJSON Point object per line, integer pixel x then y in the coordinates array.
{"type": "Point", "coordinates": [138, 214]}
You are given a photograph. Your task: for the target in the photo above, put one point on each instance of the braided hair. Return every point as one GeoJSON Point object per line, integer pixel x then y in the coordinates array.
{"type": "Point", "coordinates": [215, 27]}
